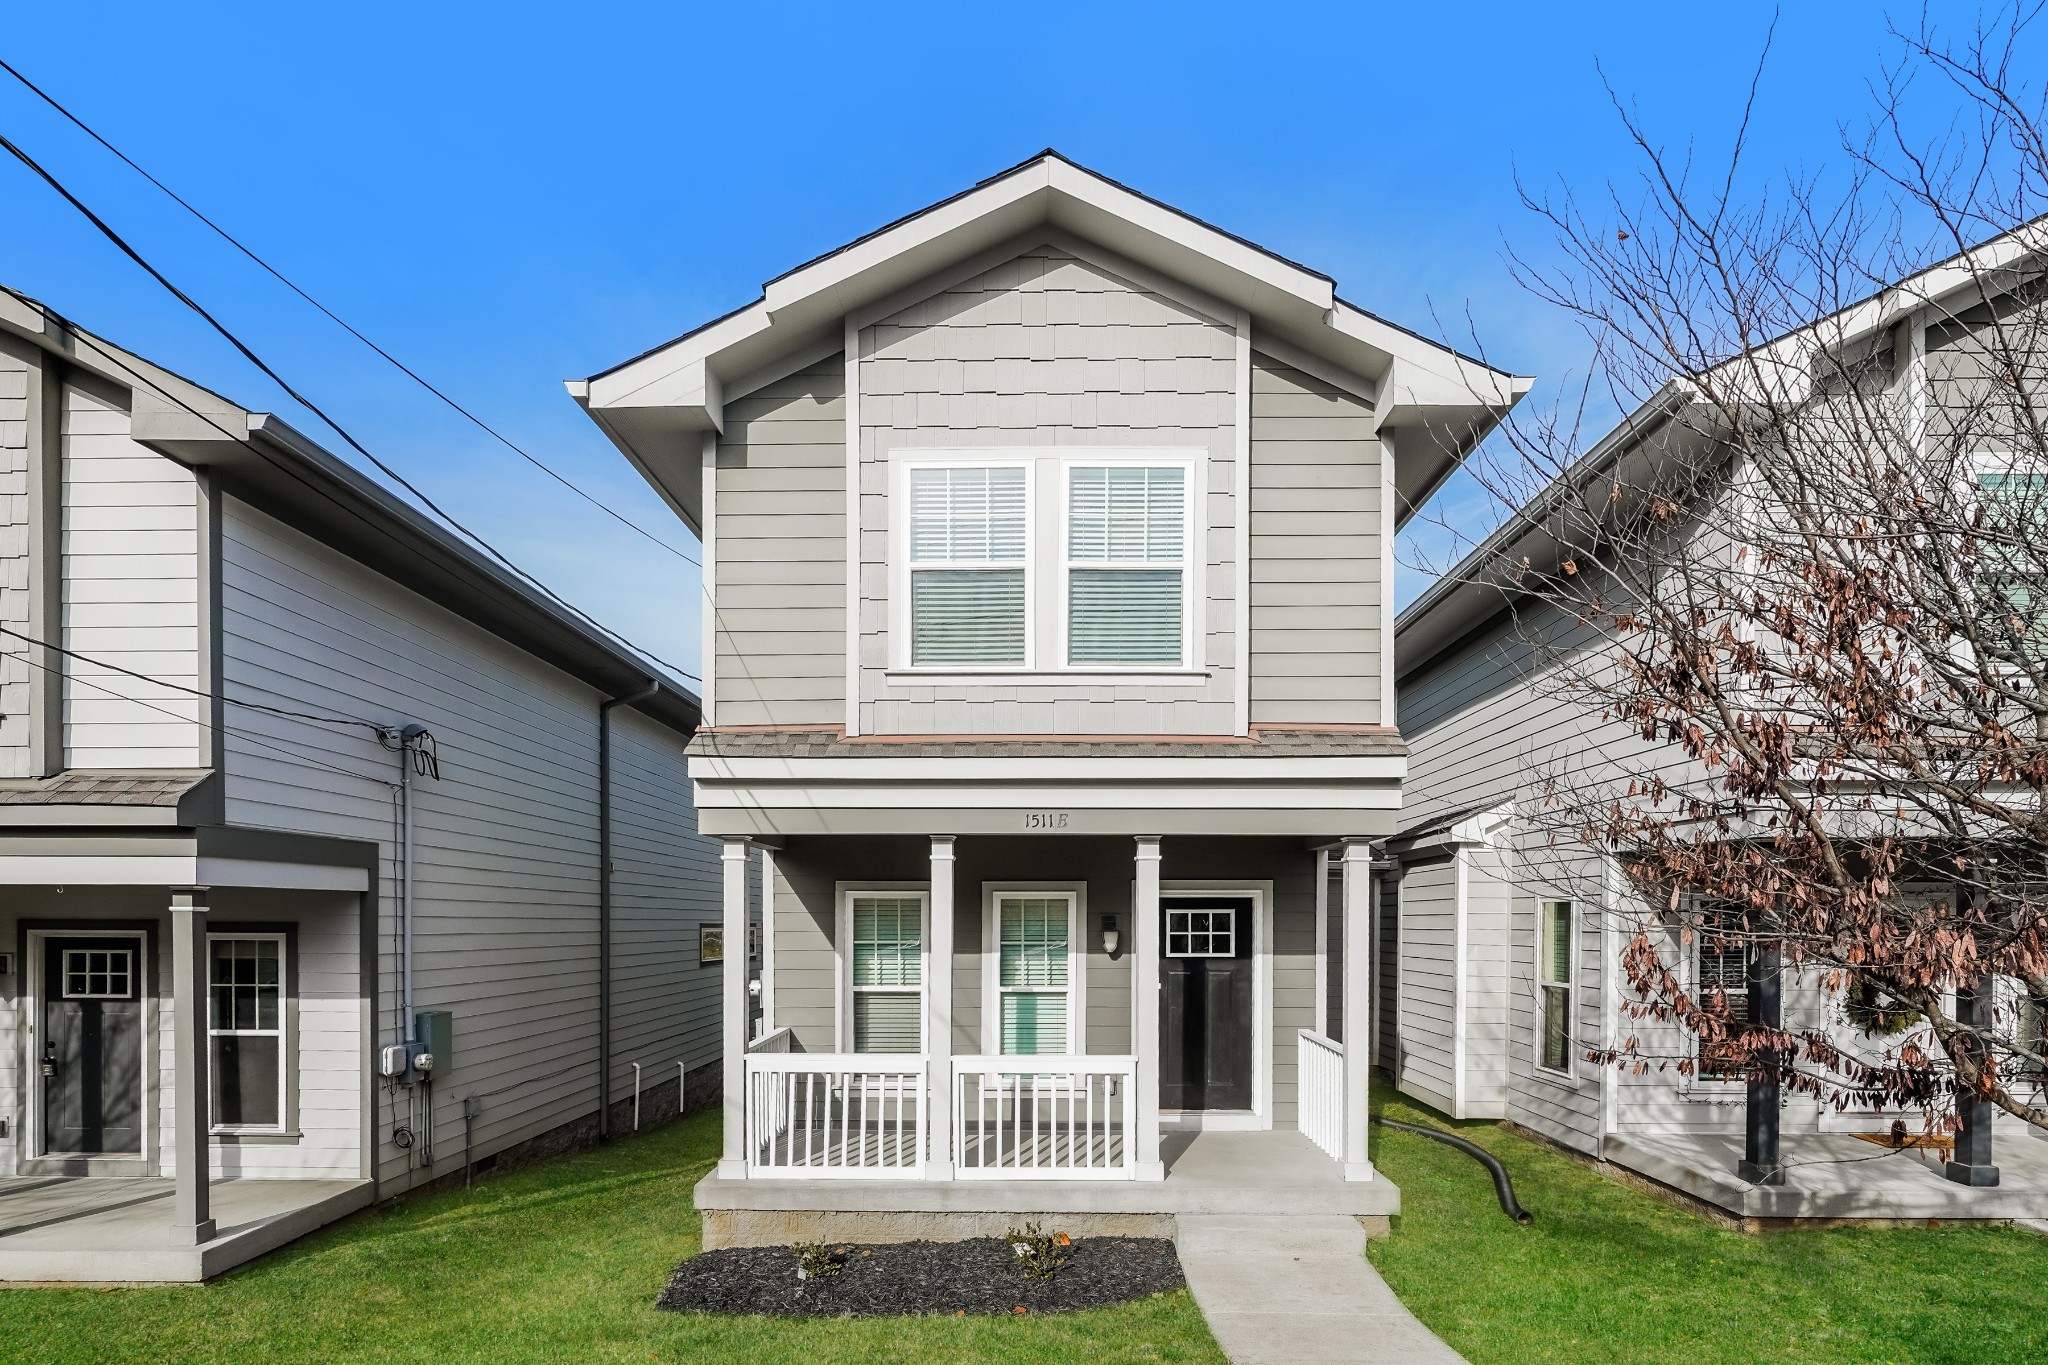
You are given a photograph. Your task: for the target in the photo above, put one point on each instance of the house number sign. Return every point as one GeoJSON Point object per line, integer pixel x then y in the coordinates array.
{"type": "Point", "coordinates": [1045, 819]}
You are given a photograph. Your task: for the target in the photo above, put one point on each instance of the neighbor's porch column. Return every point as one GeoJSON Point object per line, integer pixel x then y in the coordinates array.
{"type": "Point", "coordinates": [732, 1163]}
{"type": "Point", "coordinates": [938, 1016]}
{"type": "Point", "coordinates": [1760, 1163]}
{"type": "Point", "coordinates": [1357, 1006]}
{"type": "Point", "coordinates": [1971, 1164]}
{"type": "Point", "coordinates": [1143, 1107]}
{"type": "Point", "coordinates": [191, 1100]}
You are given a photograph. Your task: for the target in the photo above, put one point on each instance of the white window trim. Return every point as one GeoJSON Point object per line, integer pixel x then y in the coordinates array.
{"type": "Point", "coordinates": [283, 1032]}
{"type": "Point", "coordinates": [1192, 466]}
{"type": "Point", "coordinates": [1076, 894]}
{"type": "Point", "coordinates": [38, 992]}
{"type": "Point", "coordinates": [1045, 646]}
{"type": "Point", "coordinates": [901, 623]}
{"type": "Point", "coordinates": [129, 973]}
{"type": "Point", "coordinates": [842, 952]}
{"type": "Point", "coordinates": [1570, 984]}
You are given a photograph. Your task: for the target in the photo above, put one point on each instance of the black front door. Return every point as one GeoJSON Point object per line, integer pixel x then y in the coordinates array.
{"type": "Point", "coordinates": [1205, 1002]}
{"type": "Point", "coordinates": [91, 1050]}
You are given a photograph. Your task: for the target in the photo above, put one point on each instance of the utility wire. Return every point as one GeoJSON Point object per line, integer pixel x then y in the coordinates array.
{"type": "Point", "coordinates": [331, 316]}
{"type": "Point", "coordinates": [341, 431]}
{"type": "Point", "coordinates": [371, 725]}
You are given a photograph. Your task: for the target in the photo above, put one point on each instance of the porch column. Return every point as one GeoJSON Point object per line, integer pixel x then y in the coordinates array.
{"type": "Point", "coordinates": [732, 1163]}
{"type": "Point", "coordinates": [938, 1015]}
{"type": "Point", "coordinates": [1143, 1107]}
{"type": "Point", "coordinates": [191, 1101]}
{"type": "Point", "coordinates": [1357, 1006]}
{"type": "Point", "coordinates": [1971, 1164]}
{"type": "Point", "coordinates": [1760, 1163]}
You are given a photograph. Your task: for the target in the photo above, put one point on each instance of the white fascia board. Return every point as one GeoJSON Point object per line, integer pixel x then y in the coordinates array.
{"type": "Point", "coordinates": [1046, 796]}
{"type": "Point", "coordinates": [175, 870]}
{"type": "Point", "coordinates": [996, 771]}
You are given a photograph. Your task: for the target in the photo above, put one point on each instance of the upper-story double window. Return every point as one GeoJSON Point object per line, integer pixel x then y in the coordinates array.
{"type": "Point", "coordinates": [1106, 583]}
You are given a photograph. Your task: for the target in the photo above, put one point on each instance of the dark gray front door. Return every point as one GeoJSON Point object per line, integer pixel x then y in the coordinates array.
{"type": "Point", "coordinates": [91, 1052]}
{"type": "Point", "coordinates": [1205, 1002]}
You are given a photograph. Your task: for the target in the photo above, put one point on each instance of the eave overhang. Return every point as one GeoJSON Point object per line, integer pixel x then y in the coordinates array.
{"type": "Point", "coordinates": [659, 407]}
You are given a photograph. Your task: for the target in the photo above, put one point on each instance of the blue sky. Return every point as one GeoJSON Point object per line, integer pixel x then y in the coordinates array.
{"type": "Point", "coordinates": [507, 195]}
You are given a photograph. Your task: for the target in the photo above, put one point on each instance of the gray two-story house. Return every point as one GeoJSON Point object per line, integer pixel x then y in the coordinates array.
{"type": "Point", "coordinates": [1047, 634]}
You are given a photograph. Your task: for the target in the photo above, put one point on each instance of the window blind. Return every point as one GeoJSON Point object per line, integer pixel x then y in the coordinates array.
{"type": "Point", "coordinates": [968, 525]}
{"type": "Point", "coordinates": [1126, 553]}
{"type": "Point", "coordinates": [888, 973]}
{"type": "Point", "coordinates": [1556, 969]}
{"type": "Point", "coordinates": [967, 616]}
{"type": "Point", "coordinates": [1031, 974]}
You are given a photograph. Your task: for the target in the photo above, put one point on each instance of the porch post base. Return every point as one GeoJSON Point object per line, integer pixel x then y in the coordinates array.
{"type": "Point", "coordinates": [1148, 1170]}
{"type": "Point", "coordinates": [192, 1234]}
{"type": "Point", "coordinates": [938, 1170]}
{"type": "Point", "coordinates": [1766, 1174]}
{"type": "Point", "coordinates": [1359, 1170]}
{"type": "Point", "coordinates": [1977, 1176]}
{"type": "Point", "coordinates": [732, 1168]}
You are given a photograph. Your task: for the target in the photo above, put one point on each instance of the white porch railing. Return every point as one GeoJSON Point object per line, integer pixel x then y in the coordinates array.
{"type": "Point", "coordinates": [835, 1115]}
{"type": "Point", "coordinates": [1321, 1077]}
{"type": "Point", "coordinates": [777, 1040]}
{"type": "Point", "coordinates": [1046, 1118]}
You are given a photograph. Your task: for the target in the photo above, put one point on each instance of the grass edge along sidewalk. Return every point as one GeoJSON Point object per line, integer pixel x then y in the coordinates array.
{"type": "Point", "coordinates": [551, 1262]}
{"type": "Point", "coordinates": [1607, 1273]}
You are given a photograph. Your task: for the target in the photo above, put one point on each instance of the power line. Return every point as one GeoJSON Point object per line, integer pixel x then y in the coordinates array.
{"type": "Point", "coordinates": [331, 316]}
{"type": "Point", "coordinates": [371, 725]}
{"type": "Point", "coordinates": [256, 360]}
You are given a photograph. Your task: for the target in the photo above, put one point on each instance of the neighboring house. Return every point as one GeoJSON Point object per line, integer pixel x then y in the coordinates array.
{"type": "Point", "coordinates": [1501, 946]}
{"type": "Point", "coordinates": [1048, 547]}
{"type": "Point", "coordinates": [285, 767]}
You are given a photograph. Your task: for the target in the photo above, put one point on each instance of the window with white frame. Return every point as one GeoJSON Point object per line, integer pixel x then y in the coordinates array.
{"type": "Point", "coordinates": [98, 974]}
{"type": "Point", "coordinates": [1034, 972]}
{"type": "Point", "coordinates": [2011, 517]}
{"type": "Point", "coordinates": [885, 963]}
{"type": "Point", "coordinates": [1554, 985]}
{"type": "Point", "coordinates": [1126, 565]}
{"type": "Point", "coordinates": [969, 566]}
{"type": "Point", "coordinates": [1201, 933]}
{"type": "Point", "coordinates": [1721, 964]}
{"type": "Point", "coordinates": [246, 1024]}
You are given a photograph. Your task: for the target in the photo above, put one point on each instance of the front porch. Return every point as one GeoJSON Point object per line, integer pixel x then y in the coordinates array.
{"type": "Point", "coordinates": [1832, 1176]}
{"type": "Point", "coordinates": [120, 1230]}
{"type": "Point", "coordinates": [1276, 1172]}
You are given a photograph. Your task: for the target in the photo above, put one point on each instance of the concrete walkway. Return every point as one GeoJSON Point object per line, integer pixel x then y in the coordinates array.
{"type": "Point", "coordinates": [1297, 1290]}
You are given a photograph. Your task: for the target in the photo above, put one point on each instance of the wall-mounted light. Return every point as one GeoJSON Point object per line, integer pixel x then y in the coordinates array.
{"type": "Point", "coordinates": [1110, 937]}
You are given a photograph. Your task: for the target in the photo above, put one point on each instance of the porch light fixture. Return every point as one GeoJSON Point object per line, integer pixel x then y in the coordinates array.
{"type": "Point", "coordinates": [1110, 937]}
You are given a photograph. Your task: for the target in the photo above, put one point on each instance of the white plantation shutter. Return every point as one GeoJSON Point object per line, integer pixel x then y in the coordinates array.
{"type": "Point", "coordinates": [1127, 565]}
{"type": "Point", "coordinates": [967, 556]}
{"type": "Point", "coordinates": [888, 973]}
{"type": "Point", "coordinates": [1032, 975]}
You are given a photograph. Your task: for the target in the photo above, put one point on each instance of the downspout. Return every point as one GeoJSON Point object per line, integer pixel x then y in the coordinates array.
{"type": "Point", "coordinates": [604, 902]}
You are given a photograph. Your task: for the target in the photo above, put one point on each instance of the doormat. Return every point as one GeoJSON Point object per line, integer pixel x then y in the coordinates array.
{"type": "Point", "coordinates": [1917, 1142]}
{"type": "Point", "coordinates": [899, 1279]}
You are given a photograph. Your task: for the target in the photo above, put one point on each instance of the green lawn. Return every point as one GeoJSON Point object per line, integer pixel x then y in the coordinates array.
{"type": "Point", "coordinates": [1608, 1274]}
{"type": "Point", "coordinates": [556, 1262]}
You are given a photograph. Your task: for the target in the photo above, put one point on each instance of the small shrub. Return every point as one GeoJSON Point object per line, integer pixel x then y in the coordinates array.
{"type": "Point", "coordinates": [816, 1260]}
{"type": "Point", "coordinates": [1040, 1254]}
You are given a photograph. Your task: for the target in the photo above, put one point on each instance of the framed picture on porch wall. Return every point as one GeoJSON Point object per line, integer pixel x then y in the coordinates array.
{"type": "Point", "coordinates": [710, 944]}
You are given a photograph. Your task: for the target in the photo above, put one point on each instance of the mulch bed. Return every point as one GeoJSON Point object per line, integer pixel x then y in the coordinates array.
{"type": "Point", "coordinates": [912, 1278]}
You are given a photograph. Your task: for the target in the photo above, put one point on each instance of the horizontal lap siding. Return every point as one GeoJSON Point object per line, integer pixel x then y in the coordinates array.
{"type": "Point", "coordinates": [506, 839]}
{"type": "Point", "coordinates": [1488, 970]}
{"type": "Point", "coordinates": [1048, 351]}
{"type": "Point", "coordinates": [1428, 919]}
{"type": "Point", "coordinates": [666, 882]}
{"type": "Point", "coordinates": [15, 670]}
{"type": "Point", "coordinates": [780, 541]}
{"type": "Point", "coordinates": [1315, 517]}
{"type": "Point", "coordinates": [131, 596]}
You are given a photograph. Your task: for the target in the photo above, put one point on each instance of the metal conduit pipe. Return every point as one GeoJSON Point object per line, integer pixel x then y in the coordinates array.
{"type": "Point", "coordinates": [604, 902]}
{"type": "Point", "coordinates": [1503, 1187]}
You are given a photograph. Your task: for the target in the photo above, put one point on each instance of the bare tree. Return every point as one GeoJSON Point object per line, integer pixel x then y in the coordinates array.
{"type": "Point", "coordinates": [1803, 588]}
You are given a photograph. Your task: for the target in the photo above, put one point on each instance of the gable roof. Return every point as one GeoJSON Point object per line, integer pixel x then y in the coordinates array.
{"type": "Point", "coordinates": [261, 460]}
{"type": "Point", "coordinates": [1471, 593]}
{"type": "Point", "coordinates": [658, 406]}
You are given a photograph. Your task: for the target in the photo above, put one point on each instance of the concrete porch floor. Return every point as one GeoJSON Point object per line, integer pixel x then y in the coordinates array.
{"type": "Point", "coordinates": [1836, 1176]}
{"type": "Point", "coordinates": [116, 1230]}
{"type": "Point", "coordinates": [1274, 1172]}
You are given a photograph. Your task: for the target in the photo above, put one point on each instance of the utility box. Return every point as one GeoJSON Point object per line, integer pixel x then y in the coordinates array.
{"type": "Point", "coordinates": [435, 1030]}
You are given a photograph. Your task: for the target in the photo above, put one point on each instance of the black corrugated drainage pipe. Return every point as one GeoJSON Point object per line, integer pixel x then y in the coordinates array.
{"type": "Point", "coordinates": [1502, 1186]}
{"type": "Point", "coordinates": [604, 901]}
